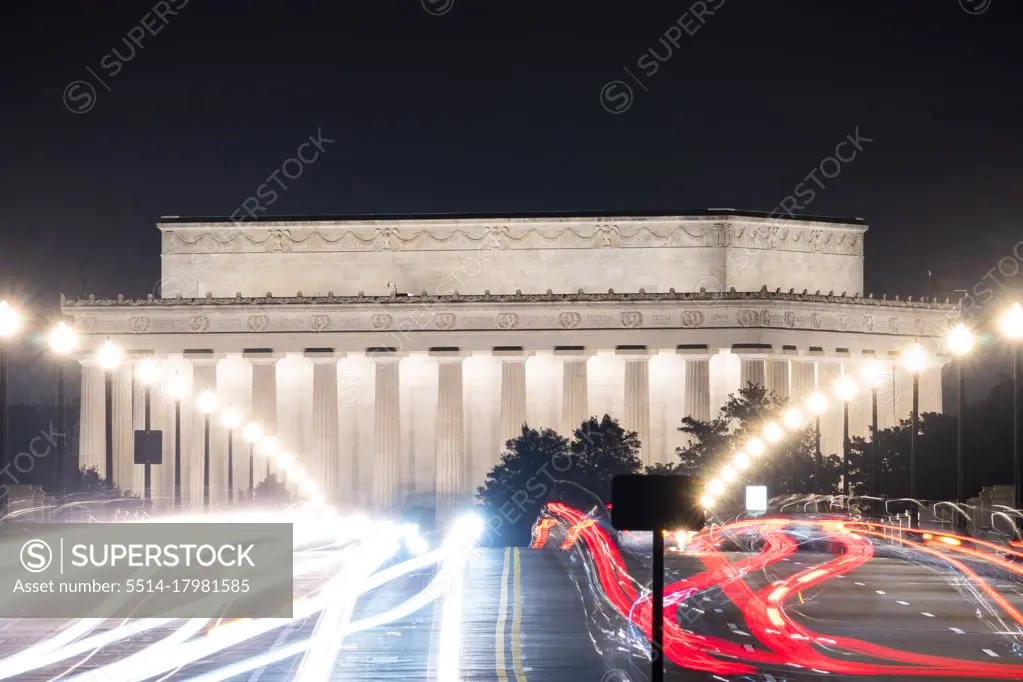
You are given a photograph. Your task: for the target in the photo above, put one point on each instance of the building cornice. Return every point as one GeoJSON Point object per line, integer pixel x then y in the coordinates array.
{"type": "Point", "coordinates": [425, 299]}
{"type": "Point", "coordinates": [510, 313]}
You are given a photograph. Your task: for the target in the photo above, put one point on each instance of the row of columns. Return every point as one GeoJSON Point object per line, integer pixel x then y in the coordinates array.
{"type": "Point", "coordinates": [375, 430]}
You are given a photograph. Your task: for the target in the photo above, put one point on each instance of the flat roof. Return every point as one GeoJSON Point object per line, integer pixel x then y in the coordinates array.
{"type": "Point", "coordinates": [539, 215]}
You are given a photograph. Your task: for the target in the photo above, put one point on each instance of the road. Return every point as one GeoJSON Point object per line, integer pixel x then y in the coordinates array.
{"type": "Point", "coordinates": [783, 599]}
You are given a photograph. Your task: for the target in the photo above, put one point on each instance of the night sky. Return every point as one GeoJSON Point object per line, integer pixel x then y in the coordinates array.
{"type": "Point", "coordinates": [466, 105]}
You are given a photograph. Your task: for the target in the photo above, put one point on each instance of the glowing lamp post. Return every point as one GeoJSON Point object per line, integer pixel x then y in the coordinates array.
{"type": "Point", "coordinates": [177, 390]}
{"type": "Point", "coordinates": [110, 358]}
{"type": "Point", "coordinates": [1012, 328]}
{"type": "Point", "coordinates": [63, 341]}
{"type": "Point", "coordinates": [148, 373]}
{"type": "Point", "coordinates": [960, 342]}
{"type": "Point", "coordinates": [817, 405]}
{"type": "Point", "coordinates": [207, 405]}
{"type": "Point", "coordinates": [232, 420]}
{"type": "Point", "coordinates": [252, 434]}
{"type": "Point", "coordinates": [914, 359]}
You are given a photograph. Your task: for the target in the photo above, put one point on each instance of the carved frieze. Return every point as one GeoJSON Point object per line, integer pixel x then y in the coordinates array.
{"type": "Point", "coordinates": [749, 233]}
{"type": "Point", "coordinates": [258, 323]}
{"type": "Point", "coordinates": [691, 318]}
{"type": "Point", "coordinates": [319, 323]}
{"type": "Point", "coordinates": [632, 319]}
{"type": "Point", "coordinates": [198, 324]}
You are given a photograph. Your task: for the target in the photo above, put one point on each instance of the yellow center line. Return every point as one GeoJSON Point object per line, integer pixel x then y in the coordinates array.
{"type": "Point", "coordinates": [502, 673]}
{"type": "Point", "coordinates": [520, 673]}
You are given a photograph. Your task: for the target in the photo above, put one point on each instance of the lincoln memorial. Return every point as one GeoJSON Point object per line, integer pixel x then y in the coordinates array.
{"type": "Point", "coordinates": [394, 355]}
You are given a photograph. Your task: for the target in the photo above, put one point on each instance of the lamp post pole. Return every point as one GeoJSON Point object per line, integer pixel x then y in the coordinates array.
{"type": "Point", "coordinates": [4, 421]}
{"type": "Point", "coordinates": [817, 454]}
{"type": "Point", "coordinates": [960, 409]}
{"type": "Point", "coordinates": [230, 466]}
{"type": "Point", "coordinates": [845, 447]}
{"type": "Point", "coordinates": [874, 466]}
{"type": "Point", "coordinates": [252, 464]}
{"type": "Point", "coordinates": [148, 469]}
{"type": "Point", "coordinates": [912, 434]}
{"type": "Point", "coordinates": [177, 454]}
{"type": "Point", "coordinates": [1017, 478]}
{"type": "Point", "coordinates": [108, 389]}
{"type": "Point", "coordinates": [61, 436]}
{"type": "Point", "coordinates": [206, 463]}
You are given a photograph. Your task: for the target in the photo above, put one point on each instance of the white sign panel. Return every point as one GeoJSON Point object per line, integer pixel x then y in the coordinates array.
{"type": "Point", "coordinates": [756, 498]}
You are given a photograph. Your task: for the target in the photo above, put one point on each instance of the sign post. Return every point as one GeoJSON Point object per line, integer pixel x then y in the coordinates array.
{"type": "Point", "coordinates": [657, 504]}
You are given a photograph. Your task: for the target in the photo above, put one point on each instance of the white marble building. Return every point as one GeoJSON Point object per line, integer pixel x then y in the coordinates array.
{"type": "Point", "coordinates": [395, 355]}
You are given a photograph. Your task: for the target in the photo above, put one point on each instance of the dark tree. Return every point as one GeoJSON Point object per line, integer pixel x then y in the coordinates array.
{"type": "Point", "coordinates": [788, 465]}
{"type": "Point", "coordinates": [518, 485]}
{"type": "Point", "coordinates": [601, 450]}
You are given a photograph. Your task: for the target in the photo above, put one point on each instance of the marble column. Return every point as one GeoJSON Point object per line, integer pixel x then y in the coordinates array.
{"type": "Point", "coordinates": [124, 445]}
{"type": "Point", "coordinates": [804, 381]}
{"type": "Point", "coordinates": [777, 372]}
{"type": "Point", "coordinates": [264, 404]}
{"type": "Point", "coordinates": [753, 371]}
{"type": "Point", "coordinates": [450, 456]}
{"type": "Point", "coordinates": [92, 436]}
{"type": "Point", "coordinates": [205, 379]}
{"type": "Point", "coordinates": [930, 386]}
{"type": "Point", "coordinates": [831, 420]}
{"type": "Point", "coordinates": [387, 431]}
{"type": "Point", "coordinates": [697, 380]}
{"type": "Point", "coordinates": [574, 404]}
{"type": "Point", "coordinates": [637, 398]}
{"type": "Point", "coordinates": [234, 387]}
{"type": "Point", "coordinates": [138, 423]}
{"type": "Point", "coordinates": [323, 465]}
{"type": "Point", "coordinates": [513, 394]}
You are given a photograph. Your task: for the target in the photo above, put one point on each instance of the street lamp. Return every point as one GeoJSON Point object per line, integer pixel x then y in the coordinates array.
{"type": "Point", "coordinates": [845, 391]}
{"type": "Point", "coordinates": [252, 434]}
{"type": "Point", "coordinates": [207, 405]}
{"type": "Point", "coordinates": [914, 359]}
{"type": "Point", "coordinates": [232, 420]}
{"type": "Point", "coordinates": [960, 342]}
{"type": "Point", "coordinates": [873, 374]}
{"type": "Point", "coordinates": [817, 405]}
{"type": "Point", "coordinates": [1012, 328]}
{"type": "Point", "coordinates": [63, 341]}
{"type": "Point", "coordinates": [10, 323]}
{"type": "Point", "coordinates": [177, 390]}
{"type": "Point", "coordinates": [147, 373]}
{"type": "Point", "coordinates": [110, 358]}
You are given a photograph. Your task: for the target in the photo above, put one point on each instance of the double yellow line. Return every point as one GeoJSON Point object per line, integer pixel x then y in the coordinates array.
{"type": "Point", "coordinates": [502, 618]}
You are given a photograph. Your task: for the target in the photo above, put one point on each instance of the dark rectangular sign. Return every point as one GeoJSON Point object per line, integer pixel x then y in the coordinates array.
{"type": "Point", "coordinates": [642, 502]}
{"type": "Point", "coordinates": [149, 447]}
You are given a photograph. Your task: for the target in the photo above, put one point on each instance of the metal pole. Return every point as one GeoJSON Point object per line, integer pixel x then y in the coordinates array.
{"type": "Point", "coordinates": [845, 447]}
{"type": "Point", "coordinates": [230, 466]}
{"type": "Point", "coordinates": [61, 436]}
{"type": "Point", "coordinates": [912, 434]}
{"type": "Point", "coordinates": [252, 464]}
{"type": "Point", "coordinates": [657, 594]}
{"type": "Point", "coordinates": [148, 469]}
{"type": "Point", "coordinates": [177, 454]}
{"type": "Point", "coordinates": [206, 464]}
{"type": "Point", "coordinates": [874, 467]}
{"type": "Point", "coordinates": [961, 398]}
{"type": "Point", "coordinates": [1017, 478]}
{"type": "Point", "coordinates": [817, 455]}
{"type": "Point", "coordinates": [108, 384]}
{"type": "Point", "coordinates": [4, 422]}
